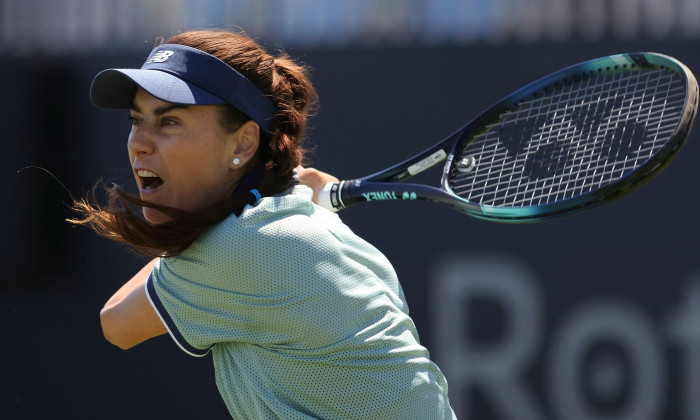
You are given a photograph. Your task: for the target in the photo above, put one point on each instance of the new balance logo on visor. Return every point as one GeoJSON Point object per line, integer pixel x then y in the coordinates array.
{"type": "Point", "coordinates": [160, 56]}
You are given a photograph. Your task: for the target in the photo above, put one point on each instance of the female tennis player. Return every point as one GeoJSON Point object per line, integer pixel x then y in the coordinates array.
{"type": "Point", "coordinates": [303, 318]}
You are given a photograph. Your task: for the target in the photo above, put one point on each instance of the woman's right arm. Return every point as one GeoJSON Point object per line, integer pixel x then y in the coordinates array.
{"type": "Point", "coordinates": [128, 318]}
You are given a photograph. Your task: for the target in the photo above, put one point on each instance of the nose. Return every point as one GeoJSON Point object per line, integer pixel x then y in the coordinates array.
{"type": "Point", "coordinates": [140, 142]}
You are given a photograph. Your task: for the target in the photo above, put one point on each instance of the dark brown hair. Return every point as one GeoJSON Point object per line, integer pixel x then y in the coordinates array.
{"type": "Point", "coordinates": [287, 86]}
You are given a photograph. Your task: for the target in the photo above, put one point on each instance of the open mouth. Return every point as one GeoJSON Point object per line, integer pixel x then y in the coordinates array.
{"type": "Point", "coordinates": [149, 180]}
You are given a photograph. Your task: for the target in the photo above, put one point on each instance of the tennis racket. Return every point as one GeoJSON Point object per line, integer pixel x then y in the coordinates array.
{"type": "Point", "coordinates": [580, 137]}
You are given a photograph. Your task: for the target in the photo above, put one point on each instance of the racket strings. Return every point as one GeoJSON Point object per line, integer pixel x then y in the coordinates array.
{"type": "Point", "coordinates": [578, 137]}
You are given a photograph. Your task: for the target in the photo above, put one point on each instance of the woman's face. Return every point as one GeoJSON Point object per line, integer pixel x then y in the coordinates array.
{"type": "Point", "coordinates": [180, 155]}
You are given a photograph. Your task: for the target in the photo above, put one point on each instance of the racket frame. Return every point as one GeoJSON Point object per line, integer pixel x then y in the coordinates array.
{"type": "Point", "coordinates": [388, 184]}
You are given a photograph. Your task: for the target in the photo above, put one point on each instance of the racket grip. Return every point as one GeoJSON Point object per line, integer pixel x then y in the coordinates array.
{"type": "Point", "coordinates": [325, 196]}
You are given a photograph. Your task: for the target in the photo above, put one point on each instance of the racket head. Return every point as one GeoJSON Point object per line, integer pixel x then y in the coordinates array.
{"type": "Point", "coordinates": [577, 138]}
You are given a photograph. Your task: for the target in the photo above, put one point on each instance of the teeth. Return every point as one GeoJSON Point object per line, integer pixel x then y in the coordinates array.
{"type": "Point", "coordinates": [146, 174]}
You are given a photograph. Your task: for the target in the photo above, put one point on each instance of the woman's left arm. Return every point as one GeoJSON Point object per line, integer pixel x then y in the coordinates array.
{"type": "Point", "coordinates": [128, 318]}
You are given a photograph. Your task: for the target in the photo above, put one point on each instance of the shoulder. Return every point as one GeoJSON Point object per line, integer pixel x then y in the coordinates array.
{"type": "Point", "coordinates": [267, 211]}
{"type": "Point", "coordinates": [285, 217]}
{"type": "Point", "coordinates": [275, 229]}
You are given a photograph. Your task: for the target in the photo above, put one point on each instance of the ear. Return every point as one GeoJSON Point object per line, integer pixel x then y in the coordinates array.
{"type": "Point", "coordinates": [247, 140]}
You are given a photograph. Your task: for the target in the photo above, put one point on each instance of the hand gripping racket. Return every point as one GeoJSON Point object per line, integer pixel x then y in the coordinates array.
{"type": "Point", "coordinates": [580, 137]}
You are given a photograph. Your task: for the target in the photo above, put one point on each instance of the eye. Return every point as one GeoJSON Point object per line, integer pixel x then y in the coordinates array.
{"type": "Point", "coordinates": [167, 122]}
{"type": "Point", "coordinates": [133, 120]}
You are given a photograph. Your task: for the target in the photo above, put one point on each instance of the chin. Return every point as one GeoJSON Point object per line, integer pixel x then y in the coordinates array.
{"type": "Point", "coordinates": [153, 216]}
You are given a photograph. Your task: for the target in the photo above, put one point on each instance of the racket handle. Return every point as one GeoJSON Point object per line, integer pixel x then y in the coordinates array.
{"type": "Point", "coordinates": [325, 196]}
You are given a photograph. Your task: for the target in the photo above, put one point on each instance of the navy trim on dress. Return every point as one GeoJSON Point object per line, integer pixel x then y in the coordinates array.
{"type": "Point", "coordinates": [168, 321]}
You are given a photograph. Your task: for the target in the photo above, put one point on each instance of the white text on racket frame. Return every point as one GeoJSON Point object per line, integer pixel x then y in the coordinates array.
{"type": "Point", "coordinates": [388, 195]}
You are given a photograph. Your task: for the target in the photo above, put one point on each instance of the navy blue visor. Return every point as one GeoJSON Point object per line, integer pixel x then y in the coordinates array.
{"type": "Point", "coordinates": [183, 75]}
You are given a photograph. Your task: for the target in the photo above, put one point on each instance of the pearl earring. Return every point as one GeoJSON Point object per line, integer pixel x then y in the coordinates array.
{"type": "Point", "coordinates": [236, 161]}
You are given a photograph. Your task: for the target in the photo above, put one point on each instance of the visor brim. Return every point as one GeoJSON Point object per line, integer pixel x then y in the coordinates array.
{"type": "Point", "coordinates": [115, 89]}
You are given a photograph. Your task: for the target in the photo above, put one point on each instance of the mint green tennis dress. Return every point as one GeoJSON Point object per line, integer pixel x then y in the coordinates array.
{"type": "Point", "coordinates": [304, 319]}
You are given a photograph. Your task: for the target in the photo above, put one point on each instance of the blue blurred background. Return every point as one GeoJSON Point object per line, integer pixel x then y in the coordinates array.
{"type": "Point", "coordinates": [595, 316]}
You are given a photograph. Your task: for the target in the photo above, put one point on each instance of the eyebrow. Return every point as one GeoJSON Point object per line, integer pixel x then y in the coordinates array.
{"type": "Point", "coordinates": [161, 109]}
